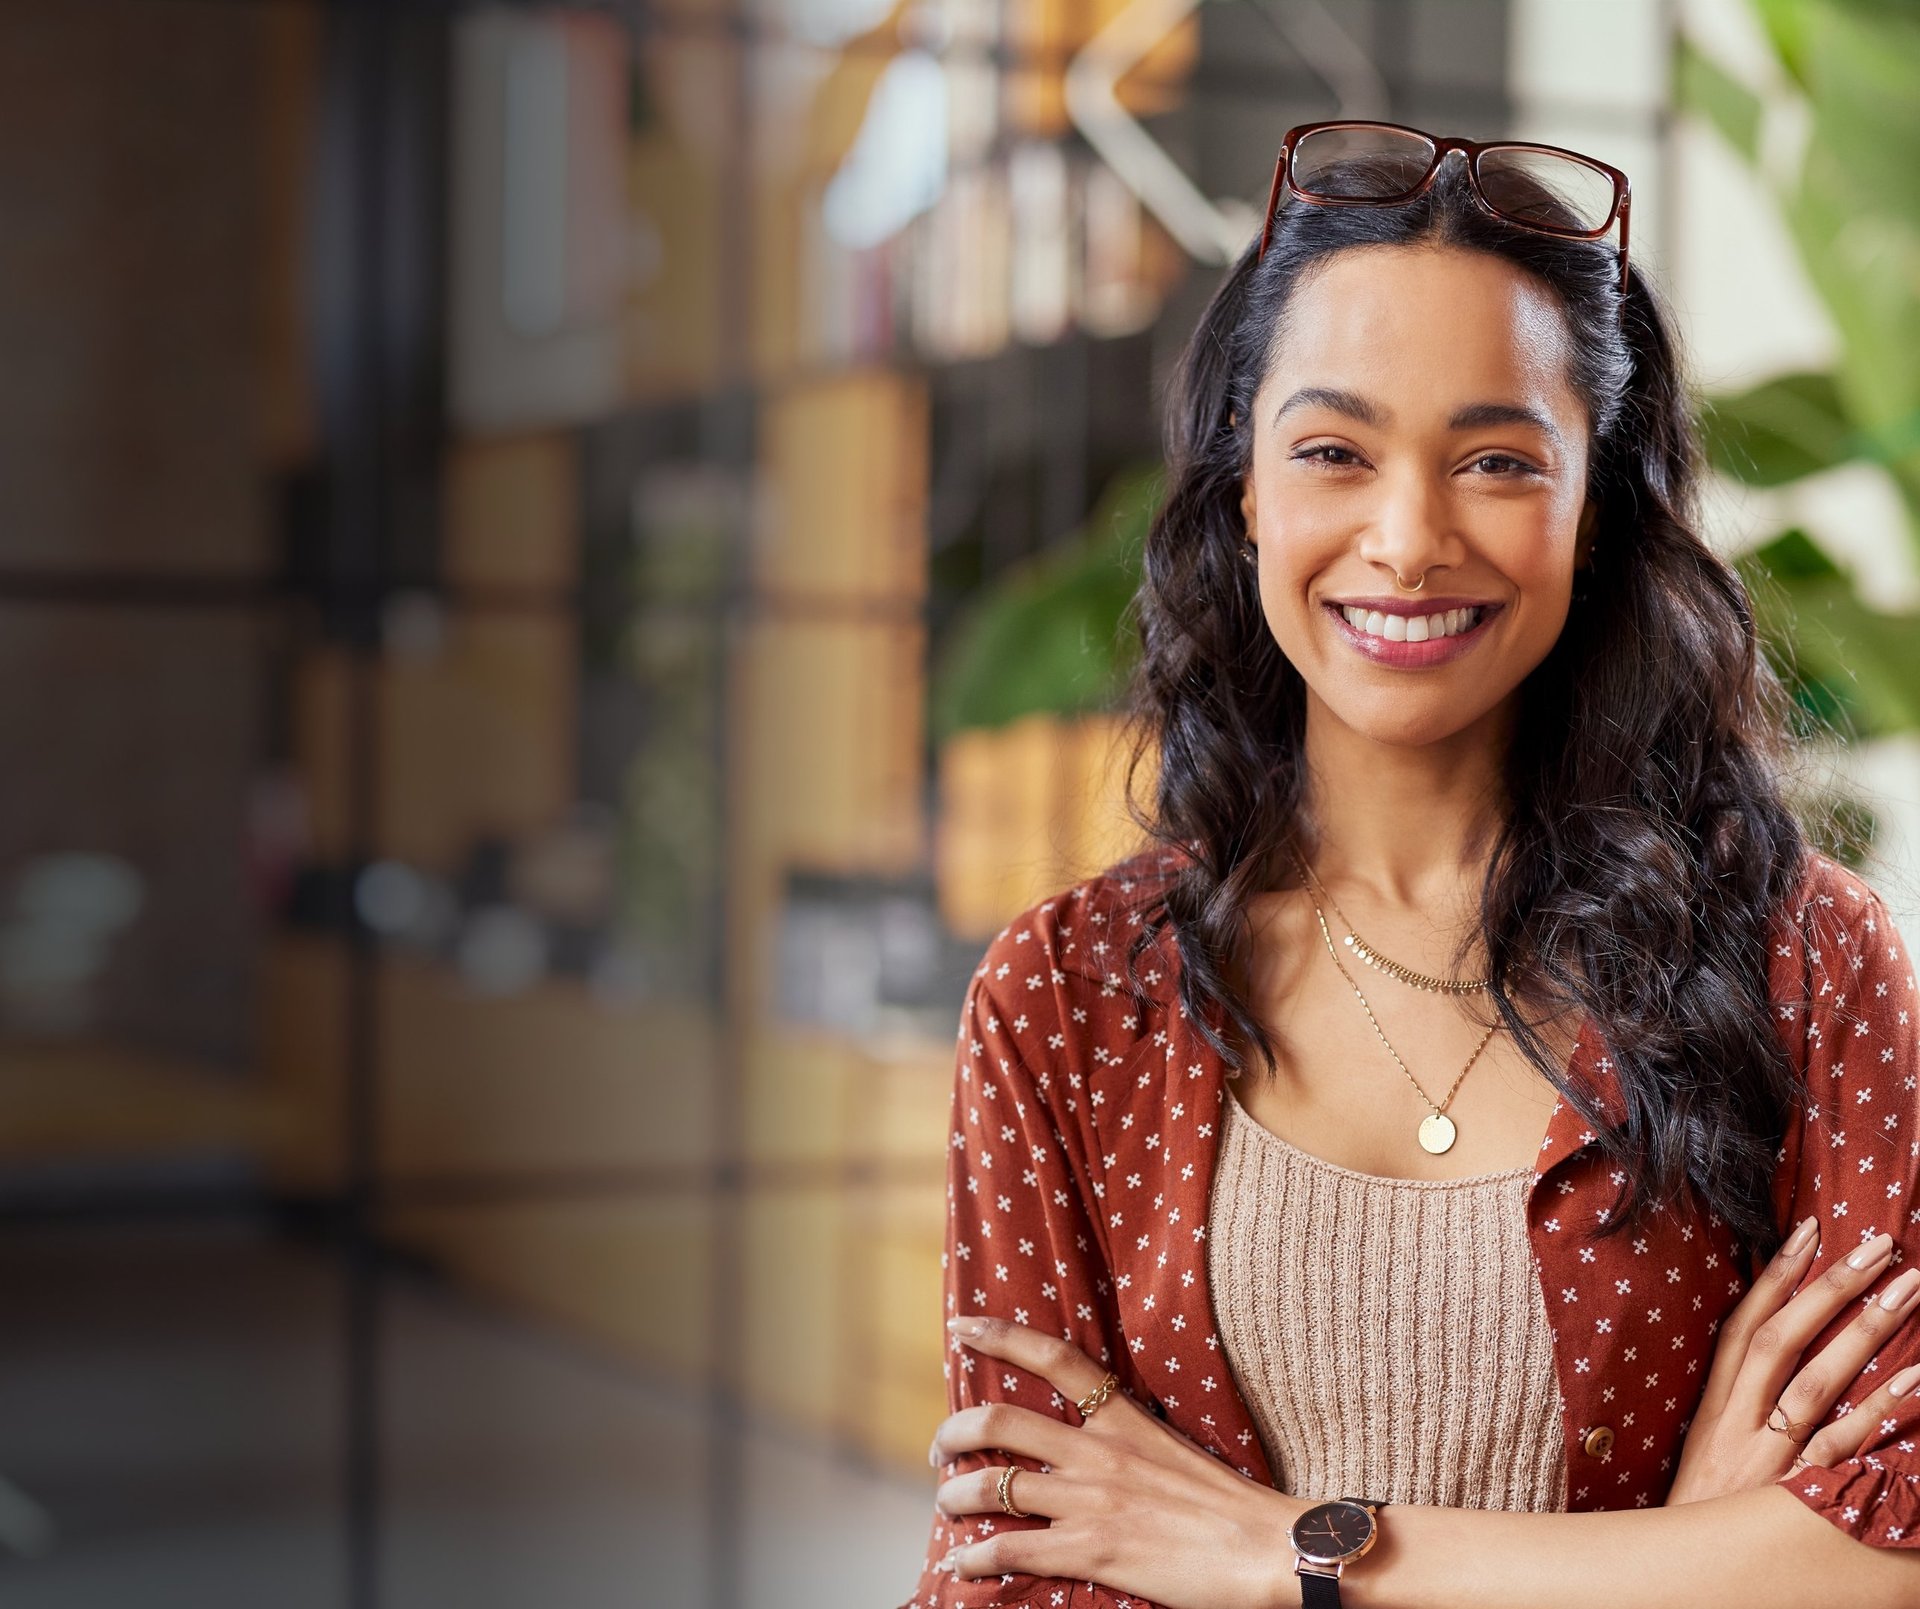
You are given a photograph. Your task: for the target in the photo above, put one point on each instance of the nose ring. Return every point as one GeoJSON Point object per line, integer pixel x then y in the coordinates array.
{"type": "Point", "coordinates": [1404, 587]}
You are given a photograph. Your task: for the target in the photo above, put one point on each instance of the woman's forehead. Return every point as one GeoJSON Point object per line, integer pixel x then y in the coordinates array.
{"type": "Point", "coordinates": [1424, 329]}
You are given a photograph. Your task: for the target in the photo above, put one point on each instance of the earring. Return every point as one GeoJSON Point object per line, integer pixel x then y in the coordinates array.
{"type": "Point", "coordinates": [1248, 554]}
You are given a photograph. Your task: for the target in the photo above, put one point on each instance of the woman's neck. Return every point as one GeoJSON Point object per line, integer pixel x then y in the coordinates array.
{"type": "Point", "coordinates": [1403, 826]}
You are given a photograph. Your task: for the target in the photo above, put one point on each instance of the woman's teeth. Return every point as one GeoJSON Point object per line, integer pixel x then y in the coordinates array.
{"type": "Point", "coordinates": [1412, 628]}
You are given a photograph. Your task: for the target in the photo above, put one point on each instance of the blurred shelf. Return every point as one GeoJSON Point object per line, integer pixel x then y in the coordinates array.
{"type": "Point", "coordinates": [92, 1100]}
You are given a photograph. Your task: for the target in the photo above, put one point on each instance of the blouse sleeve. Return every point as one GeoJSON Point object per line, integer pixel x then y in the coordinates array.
{"type": "Point", "coordinates": [1859, 1173]}
{"type": "Point", "coordinates": [1020, 1242]}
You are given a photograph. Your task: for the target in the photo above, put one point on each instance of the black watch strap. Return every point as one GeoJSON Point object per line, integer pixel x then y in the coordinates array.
{"type": "Point", "coordinates": [1319, 1591]}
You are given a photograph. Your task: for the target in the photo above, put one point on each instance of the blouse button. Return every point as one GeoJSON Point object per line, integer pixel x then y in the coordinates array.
{"type": "Point", "coordinates": [1599, 1440]}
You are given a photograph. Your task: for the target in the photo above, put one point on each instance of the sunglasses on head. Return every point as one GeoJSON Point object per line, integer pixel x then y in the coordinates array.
{"type": "Point", "coordinates": [1360, 163]}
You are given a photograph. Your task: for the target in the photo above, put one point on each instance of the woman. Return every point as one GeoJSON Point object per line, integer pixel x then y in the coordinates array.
{"type": "Point", "coordinates": [1470, 830]}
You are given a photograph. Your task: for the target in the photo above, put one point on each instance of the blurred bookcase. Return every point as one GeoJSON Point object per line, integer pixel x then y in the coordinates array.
{"type": "Point", "coordinates": [588, 904]}
{"type": "Point", "coordinates": [636, 895]}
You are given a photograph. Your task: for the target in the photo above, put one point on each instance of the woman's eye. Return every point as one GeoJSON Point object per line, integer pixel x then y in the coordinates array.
{"type": "Point", "coordinates": [1311, 455]}
{"type": "Point", "coordinates": [1518, 466]}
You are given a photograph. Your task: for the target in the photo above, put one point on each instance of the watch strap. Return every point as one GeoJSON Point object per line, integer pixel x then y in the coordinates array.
{"type": "Point", "coordinates": [1319, 1591]}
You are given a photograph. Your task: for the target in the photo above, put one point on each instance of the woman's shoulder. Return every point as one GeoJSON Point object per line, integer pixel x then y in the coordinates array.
{"type": "Point", "coordinates": [1843, 984]}
{"type": "Point", "coordinates": [1079, 935]}
{"type": "Point", "coordinates": [1835, 917]}
{"type": "Point", "coordinates": [1829, 885]}
{"type": "Point", "coordinates": [1049, 1012]}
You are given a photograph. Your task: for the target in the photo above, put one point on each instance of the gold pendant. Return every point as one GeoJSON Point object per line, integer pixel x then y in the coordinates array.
{"type": "Point", "coordinates": [1436, 1132]}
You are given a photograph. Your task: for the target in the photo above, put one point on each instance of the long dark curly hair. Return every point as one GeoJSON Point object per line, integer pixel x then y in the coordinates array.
{"type": "Point", "coordinates": [1650, 843]}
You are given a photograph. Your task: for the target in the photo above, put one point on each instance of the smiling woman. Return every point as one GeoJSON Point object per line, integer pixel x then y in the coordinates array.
{"type": "Point", "coordinates": [1448, 1264]}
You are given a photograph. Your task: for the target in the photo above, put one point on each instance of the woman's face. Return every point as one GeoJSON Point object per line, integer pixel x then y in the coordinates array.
{"type": "Point", "coordinates": [1417, 419]}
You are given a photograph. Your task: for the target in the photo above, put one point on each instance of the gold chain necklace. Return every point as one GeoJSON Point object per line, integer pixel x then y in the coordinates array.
{"type": "Point", "coordinates": [1374, 958]}
{"type": "Point", "coordinates": [1437, 1130]}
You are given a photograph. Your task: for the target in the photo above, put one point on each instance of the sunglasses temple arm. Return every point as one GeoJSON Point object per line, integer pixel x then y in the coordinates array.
{"type": "Point", "coordinates": [1624, 212]}
{"type": "Point", "coordinates": [1273, 200]}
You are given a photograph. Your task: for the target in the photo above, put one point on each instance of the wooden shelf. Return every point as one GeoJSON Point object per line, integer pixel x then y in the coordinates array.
{"type": "Point", "coordinates": [92, 1100]}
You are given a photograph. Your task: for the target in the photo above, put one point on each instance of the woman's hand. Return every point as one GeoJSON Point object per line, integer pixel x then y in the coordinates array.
{"type": "Point", "coordinates": [1729, 1446]}
{"type": "Point", "coordinates": [1133, 1504]}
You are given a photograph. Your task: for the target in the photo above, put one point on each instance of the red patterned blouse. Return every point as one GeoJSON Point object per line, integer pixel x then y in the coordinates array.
{"type": "Point", "coordinates": [1084, 1137]}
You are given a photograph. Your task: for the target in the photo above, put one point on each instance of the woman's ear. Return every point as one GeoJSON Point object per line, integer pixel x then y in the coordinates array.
{"type": "Point", "coordinates": [1246, 486]}
{"type": "Point", "coordinates": [1583, 540]}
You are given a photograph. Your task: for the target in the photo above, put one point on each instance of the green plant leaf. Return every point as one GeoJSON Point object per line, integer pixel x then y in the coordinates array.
{"type": "Point", "coordinates": [1849, 665]}
{"type": "Point", "coordinates": [1793, 555]}
{"type": "Point", "coordinates": [1875, 307]}
{"type": "Point", "coordinates": [1702, 85]}
{"type": "Point", "coordinates": [1856, 217]}
{"type": "Point", "coordinates": [1787, 23]}
{"type": "Point", "coordinates": [1047, 635]}
{"type": "Point", "coordinates": [1782, 429]}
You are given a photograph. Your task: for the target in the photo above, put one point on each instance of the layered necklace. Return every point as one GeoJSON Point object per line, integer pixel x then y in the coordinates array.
{"type": "Point", "coordinates": [1437, 1130]}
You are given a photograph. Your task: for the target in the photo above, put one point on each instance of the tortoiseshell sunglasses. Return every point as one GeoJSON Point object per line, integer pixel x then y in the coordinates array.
{"type": "Point", "coordinates": [1359, 163]}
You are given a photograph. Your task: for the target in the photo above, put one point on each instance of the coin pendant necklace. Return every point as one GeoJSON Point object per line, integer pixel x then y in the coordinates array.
{"type": "Point", "coordinates": [1437, 1131]}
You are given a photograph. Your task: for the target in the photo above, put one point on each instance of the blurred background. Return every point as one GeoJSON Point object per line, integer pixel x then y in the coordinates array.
{"type": "Point", "coordinates": [560, 573]}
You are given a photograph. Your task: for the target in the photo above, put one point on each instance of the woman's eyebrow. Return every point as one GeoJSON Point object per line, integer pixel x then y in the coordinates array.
{"type": "Point", "coordinates": [1471, 417]}
{"type": "Point", "coordinates": [1476, 414]}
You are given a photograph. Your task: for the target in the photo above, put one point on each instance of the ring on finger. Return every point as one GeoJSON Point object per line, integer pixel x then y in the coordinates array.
{"type": "Point", "coordinates": [1799, 1435]}
{"type": "Point", "coordinates": [1096, 1396]}
{"type": "Point", "coordinates": [1006, 1492]}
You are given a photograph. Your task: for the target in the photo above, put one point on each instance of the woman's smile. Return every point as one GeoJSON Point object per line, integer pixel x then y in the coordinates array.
{"type": "Point", "coordinates": [1412, 642]}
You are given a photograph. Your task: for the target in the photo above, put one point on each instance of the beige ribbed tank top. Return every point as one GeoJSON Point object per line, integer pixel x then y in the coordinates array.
{"type": "Point", "coordinates": [1389, 1335]}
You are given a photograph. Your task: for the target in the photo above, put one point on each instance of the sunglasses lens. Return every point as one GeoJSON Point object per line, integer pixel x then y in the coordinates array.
{"type": "Point", "coordinates": [1545, 190]}
{"type": "Point", "coordinates": [1360, 164]}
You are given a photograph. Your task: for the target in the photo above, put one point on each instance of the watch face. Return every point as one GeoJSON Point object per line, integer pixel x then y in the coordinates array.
{"type": "Point", "coordinates": [1330, 1532]}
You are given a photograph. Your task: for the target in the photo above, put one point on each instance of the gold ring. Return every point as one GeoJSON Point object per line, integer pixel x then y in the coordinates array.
{"type": "Point", "coordinates": [1006, 1493]}
{"type": "Point", "coordinates": [1096, 1396]}
{"type": "Point", "coordinates": [1799, 1435]}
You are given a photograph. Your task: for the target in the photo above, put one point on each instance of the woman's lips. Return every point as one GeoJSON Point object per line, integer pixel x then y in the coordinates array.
{"type": "Point", "coordinates": [1412, 655]}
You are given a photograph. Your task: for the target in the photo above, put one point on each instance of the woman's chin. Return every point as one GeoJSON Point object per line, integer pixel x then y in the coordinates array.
{"type": "Point", "coordinates": [1399, 721]}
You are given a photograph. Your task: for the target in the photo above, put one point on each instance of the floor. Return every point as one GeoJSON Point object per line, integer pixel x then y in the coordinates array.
{"type": "Point", "coordinates": [173, 1399]}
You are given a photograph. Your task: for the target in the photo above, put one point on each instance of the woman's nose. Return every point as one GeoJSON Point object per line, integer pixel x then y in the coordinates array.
{"type": "Point", "coordinates": [1413, 528]}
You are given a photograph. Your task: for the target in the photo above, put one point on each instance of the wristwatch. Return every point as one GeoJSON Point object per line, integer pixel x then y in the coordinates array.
{"type": "Point", "coordinates": [1326, 1539]}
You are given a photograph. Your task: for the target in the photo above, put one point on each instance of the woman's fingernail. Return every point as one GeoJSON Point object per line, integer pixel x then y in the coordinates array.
{"type": "Point", "coordinates": [1900, 1292]}
{"type": "Point", "coordinates": [948, 1562]}
{"type": "Point", "coordinates": [1799, 1240]}
{"type": "Point", "coordinates": [1904, 1381]}
{"type": "Point", "coordinates": [966, 1326]}
{"type": "Point", "coordinates": [933, 1455]}
{"type": "Point", "coordinates": [1872, 1252]}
